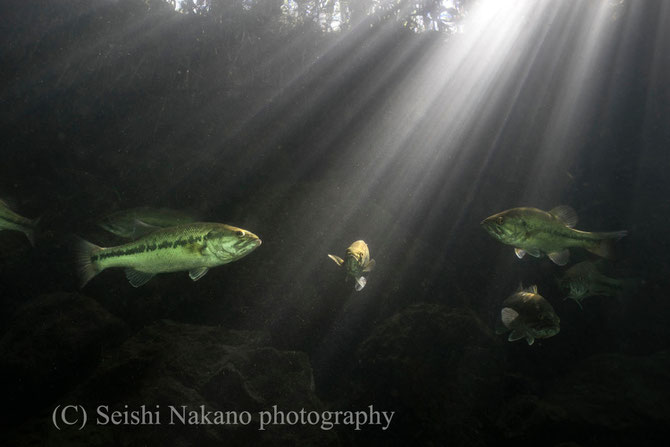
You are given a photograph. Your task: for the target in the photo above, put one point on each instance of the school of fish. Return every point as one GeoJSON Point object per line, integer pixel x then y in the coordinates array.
{"type": "Point", "coordinates": [164, 240]}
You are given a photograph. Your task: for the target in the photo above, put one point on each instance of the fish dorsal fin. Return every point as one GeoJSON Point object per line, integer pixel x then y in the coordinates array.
{"type": "Point", "coordinates": [508, 315]}
{"type": "Point", "coordinates": [141, 228]}
{"type": "Point", "coordinates": [370, 265]}
{"type": "Point", "coordinates": [560, 257]}
{"type": "Point", "coordinates": [196, 274]}
{"type": "Point", "coordinates": [138, 278]}
{"type": "Point", "coordinates": [529, 289]}
{"type": "Point", "coordinates": [360, 283]}
{"type": "Point", "coordinates": [567, 215]}
{"type": "Point", "coordinates": [336, 259]}
{"type": "Point", "coordinates": [519, 252]}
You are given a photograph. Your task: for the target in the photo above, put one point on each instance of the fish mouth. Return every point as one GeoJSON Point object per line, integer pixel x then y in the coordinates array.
{"type": "Point", "coordinates": [491, 227]}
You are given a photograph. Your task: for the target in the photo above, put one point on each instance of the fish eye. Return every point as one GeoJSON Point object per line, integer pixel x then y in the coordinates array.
{"type": "Point", "coordinates": [500, 220]}
{"type": "Point", "coordinates": [240, 233]}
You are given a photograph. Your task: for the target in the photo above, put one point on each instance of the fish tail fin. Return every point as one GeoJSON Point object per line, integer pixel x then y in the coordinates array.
{"type": "Point", "coordinates": [86, 267]}
{"type": "Point", "coordinates": [30, 232]}
{"type": "Point", "coordinates": [604, 247]}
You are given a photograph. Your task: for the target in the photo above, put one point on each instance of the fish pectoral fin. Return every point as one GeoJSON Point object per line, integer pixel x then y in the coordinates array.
{"type": "Point", "coordinates": [560, 257]}
{"type": "Point", "coordinates": [566, 214]}
{"type": "Point", "coordinates": [515, 335]}
{"type": "Point", "coordinates": [508, 315]}
{"type": "Point", "coordinates": [137, 278]}
{"type": "Point", "coordinates": [360, 283]}
{"type": "Point", "coordinates": [370, 265]}
{"type": "Point", "coordinates": [530, 339]}
{"type": "Point", "coordinates": [196, 274]}
{"type": "Point", "coordinates": [519, 252]}
{"type": "Point", "coordinates": [336, 259]}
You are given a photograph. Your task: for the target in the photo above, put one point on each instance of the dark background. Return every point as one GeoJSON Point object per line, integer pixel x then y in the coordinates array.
{"type": "Point", "coordinates": [274, 126]}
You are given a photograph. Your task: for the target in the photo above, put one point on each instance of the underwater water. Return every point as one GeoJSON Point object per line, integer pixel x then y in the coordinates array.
{"type": "Point", "coordinates": [334, 223]}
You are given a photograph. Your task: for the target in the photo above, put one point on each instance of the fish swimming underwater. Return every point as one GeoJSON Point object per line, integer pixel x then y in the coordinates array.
{"type": "Point", "coordinates": [136, 222]}
{"type": "Point", "coordinates": [537, 232]}
{"type": "Point", "coordinates": [528, 315]}
{"type": "Point", "coordinates": [195, 247]}
{"type": "Point", "coordinates": [356, 262]}
{"type": "Point", "coordinates": [9, 220]}
{"type": "Point", "coordinates": [585, 279]}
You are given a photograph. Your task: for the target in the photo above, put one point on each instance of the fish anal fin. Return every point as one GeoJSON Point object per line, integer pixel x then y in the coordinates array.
{"type": "Point", "coordinates": [360, 283]}
{"type": "Point", "coordinates": [566, 214]}
{"type": "Point", "coordinates": [534, 252]}
{"type": "Point", "coordinates": [336, 259]}
{"type": "Point", "coordinates": [516, 335]}
{"type": "Point", "coordinates": [137, 278]}
{"type": "Point", "coordinates": [560, 257]}
{"type": "Point", "coordinates": [197, 273]}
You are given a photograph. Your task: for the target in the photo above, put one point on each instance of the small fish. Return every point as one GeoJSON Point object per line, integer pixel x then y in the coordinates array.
{"type": "Point", "coordinates": [9, 220]}
{"type": "Point", "coordinates": [356, 262]}
{"type": "Point", "coordinates": [538, 232]}
{"type": "Point", "coordinates": [195, 247]}
{"type": "Point", "coordinates": [585, 279]}
{"type": "Point", "coordinates": [528, 315]}
{"type": "Point", "coordinates": [136, 222]}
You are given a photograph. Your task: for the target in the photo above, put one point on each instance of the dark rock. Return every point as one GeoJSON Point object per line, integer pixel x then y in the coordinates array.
{"type": "Point", "coordinates": [607, 399]}
{"type": "Point", "coordinates": [171, 365]}
{"type": "Point", "coordinates": [52, 343]}
{"type": "Point", "coordinates": [438, 368]}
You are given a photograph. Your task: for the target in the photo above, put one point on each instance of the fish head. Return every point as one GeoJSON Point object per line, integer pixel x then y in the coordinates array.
{"type": "Point", "coordinates": [231, 243]}
{"type": "Point", "coordinates": [545, 325]}
{"type": "Point", "coordinates": [356, 258]}
{"type": "Point", "coordinates": [508, 227]}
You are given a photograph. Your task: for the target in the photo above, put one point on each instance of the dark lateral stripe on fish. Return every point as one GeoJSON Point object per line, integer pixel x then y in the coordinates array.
{"type": "Point", "coordinates": [145, 248]}
{"type": "Point", "coordinates": [22, 221]}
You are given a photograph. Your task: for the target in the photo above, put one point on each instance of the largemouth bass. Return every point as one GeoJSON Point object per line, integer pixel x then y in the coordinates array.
{"type": "Point", "coordinates": [9, 220]}
{"type": "Point", "coordinates": [136, 222]}
{"type": "Point", "coordinates": [528, 315]}
{"type": "Point", "coordinates": [356, 262]}
{"type": "Point", "coordinates": [585, 279]}
{"type": "Point", "coordinates": [538, 232]}
{"type": "Point", "coordinates": [194, 247]}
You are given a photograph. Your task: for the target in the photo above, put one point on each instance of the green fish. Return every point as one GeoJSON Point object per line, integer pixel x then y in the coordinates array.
{"type": "Point", "coordinates": [585, 279]}
{"type": "Point", "coordinates": [528, 315]}
{"type": "Point", "coordinates": [356, 262]}
{"type": "Point", "coordinates": [537, 232]}
{"type": "Point", "coordinates": [195, 247]}
{"type": "Point", "coordinates": [136, 222]}
{"type": "Point", "coordinates": [9, 220]}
